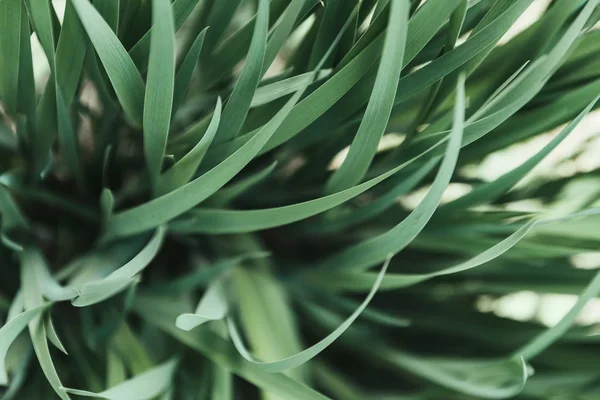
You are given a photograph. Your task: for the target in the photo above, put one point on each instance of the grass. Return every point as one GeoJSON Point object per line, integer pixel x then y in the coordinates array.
{"type": "Point", "coordinates": [255, 199]}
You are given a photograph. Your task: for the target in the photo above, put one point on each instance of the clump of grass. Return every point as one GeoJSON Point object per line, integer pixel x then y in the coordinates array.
{"type": "Point", "coordinates": [201, 200]}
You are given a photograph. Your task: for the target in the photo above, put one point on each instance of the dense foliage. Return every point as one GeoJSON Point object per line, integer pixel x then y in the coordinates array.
{"type": "Point", "coordinates": [201, 199]}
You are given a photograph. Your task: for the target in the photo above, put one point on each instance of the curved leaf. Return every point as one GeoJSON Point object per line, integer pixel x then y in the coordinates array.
{"type": "Point", "coordinates": [362, 281]}
{"type": "Point", "coordinates": [238, 104]}
{"type": "Point", "coordinates": [97, 291]}
{"type": "Point", "coordinates": [212, 306]}
{"type": "Point", "coordinates": [9, 332]}
{"type": "Point", "coordinates": [145, 386]}
{"type": "Point", "coordinates": [186, 69]}
{"type": "Point", "coordinates": [545, 339]}
{"type": "Point", "coordinates": [347, 219]}
{"type": "Point", "coordinates": [307, 354]}
{"type": "Point", "coordinates": [371, 129]}
{"type": "Point", "coordinates": [489, 191]}
{"type": "Point", "coordinates": [371, 251]}
{"type": "Point", "coordinates": [217, 221]}
{"type": "Point", "coordinates": [37, 328]}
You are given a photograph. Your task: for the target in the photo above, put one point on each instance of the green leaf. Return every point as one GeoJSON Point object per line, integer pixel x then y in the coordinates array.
{"type": "Point", "coordinates": [362, 281]}
{"type": "Point", "coordinates": [201, 277]}
{"type": "Point", "coordinates": [47, 285]}
{"type": "Point", "coordinates": [238, 104]}
{"type": "Point", "coordinates": [12, 217]}
{"type": "Point", "coordinates": [10, 47]}
{"type": "Point", "coordinates": [305, 355]}
{"type": "Point", "coordinates": [310, 108]}
{"type": "Point", "coordinates": [281, 32]}
{"type": "Point", "coordinates": [145, 386]}
{"type": "Point", "coordinates": [70, 53]}
{"type": "Point", "coordinates": [342, 303]}
{"type": "Point", "coordinates": [222, 384]}
{"type": "Point", "coordinates": [68, 139]}
{"type": "Point", "coordinates": [330, 22]}
{"type": "Point", "coordinates": [344, 220]}
{"type": "Point", "coordinates": [475, 378]}
{"type": "Point", "coordinates": [521, 90]}
{"type": "Point", "coordinates": [96, 291]}
{"type": "Point", "coordinates": [183, 170]}
{"type": "Point", "coordinates": [232, 50]}
{"type": "Point", "coordinates": [132, 350]}
{"type": "Point", "coordinates": [276, 90]}
{"type": "Point", "coordinates": [545, 339]}
{"type": "Point", "coordinates": [489, 379]}
{"type": "Point", "coordinates": [109, 9]}
{"type": "Point", "coordinates": [53, 336]}
{"type": "Point", "coordinates": [181, 9]}
{"type": "Point", "coordinates": [532, 82]}
{"type": "Point", "coordinates": [457, 20]}
{"type": "Point", "coordinates": [185, 70]}
{"type": "Point", "coordinates": [413, 83]}
{"type": "Point", "coordinates": [123, 75]}
{"type": "Point", "coordinates": [19, 372]}
{"type": "Point", "coordinates": [158, 101]}
{"type": "Point", "coordinates": [259, 289]}
{"type": "Point", "coordinates": [9, 332]}
{"type": "Point", "coordinates": [212, 306]}
{"type": "Point", "coordinates": [33, 298]}
{"type": "Point", "coordinates": [26, 95]}
{"type": "Point", "coordinates": [107, 202]}
{"type": "Point", "coordinates": [16, 306]}
{"type": "Point", "coordinates": [115, 369]}
{"type": "Point", "coordinates": [40, 13]}
{"type": "Point", "coordinates": [364, 146]}
{"type": "Point", "coordinates": [373, 250]}
{"type": "Point", "coordinates": [219, 17]}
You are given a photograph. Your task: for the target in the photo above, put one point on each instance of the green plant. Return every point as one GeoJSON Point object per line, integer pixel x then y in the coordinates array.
{"type": "Point", "coordinates": [154, 171]}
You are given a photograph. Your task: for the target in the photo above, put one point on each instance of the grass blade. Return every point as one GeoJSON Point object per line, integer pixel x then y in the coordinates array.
{"type": "Point", "coordinates": [9, 332]}
{"type": "Point", "coordinates": [363, 147]}
{"type": "Point", "coordinates": [123, 75]}
{"type": "Point", "coordinates": [158, 100]}
{"type": "Point", "coordinates": [185, 70]}
{"type": "Point", "coordinates": [37, 330]}
{"type": "Point", "coordinates": [96, 291]}
{"type": "Point", "coordinates": [184, 169]}
{"type": "Point", "coordinates": [10, 43]}
{"type": "Point", "coordinates": [489, 191]}
{"type": "Point", "coordinates": [363, 281]}
{"type": "Point", "coordinates": [238, 104]}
